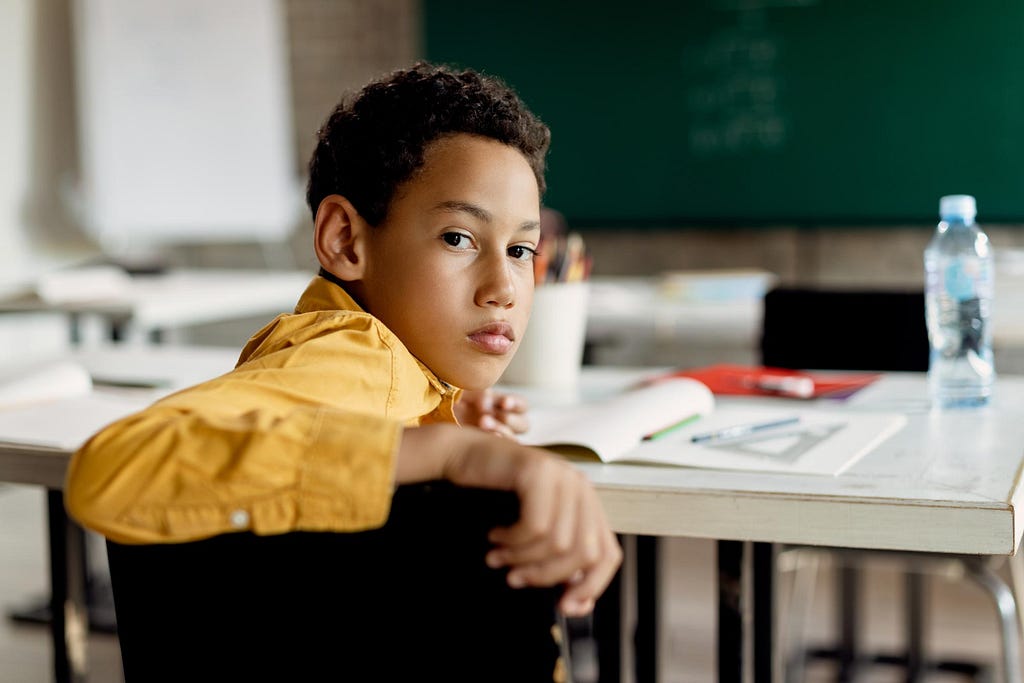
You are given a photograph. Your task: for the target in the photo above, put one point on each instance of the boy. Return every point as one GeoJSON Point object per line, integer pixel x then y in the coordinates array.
{"type": "Point", "coordinates": [425, 192]}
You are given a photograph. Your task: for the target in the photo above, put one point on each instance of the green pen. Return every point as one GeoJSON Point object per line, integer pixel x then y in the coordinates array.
{"type": "Point", "coordinates": [672, 427]}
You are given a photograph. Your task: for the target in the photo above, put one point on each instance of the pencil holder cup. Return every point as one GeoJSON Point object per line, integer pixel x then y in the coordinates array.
{"type": "Point", "coordinates": [550, 354]}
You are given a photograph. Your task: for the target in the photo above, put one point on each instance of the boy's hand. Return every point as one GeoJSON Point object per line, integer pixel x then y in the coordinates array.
{"type": "Point", "coordinates": [491, 411]}
{"type": "Point", "coordinates": [562, 536]}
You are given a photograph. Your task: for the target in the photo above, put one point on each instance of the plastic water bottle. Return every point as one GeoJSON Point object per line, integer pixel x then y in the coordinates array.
{"type": "Point", "coordinates": [959, 282]}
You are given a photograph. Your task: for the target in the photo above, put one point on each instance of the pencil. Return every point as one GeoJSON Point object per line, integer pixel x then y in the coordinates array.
{"type": "Point", "coordinates": [689, 419]}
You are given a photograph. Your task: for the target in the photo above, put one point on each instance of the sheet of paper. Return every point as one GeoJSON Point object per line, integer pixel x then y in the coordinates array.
{"type": "Point", "coordinates": [613, 426]}
{"type": "Point", "coordinates": [43, 381]}
{"type": "Point", "coordinates": [819, 441]}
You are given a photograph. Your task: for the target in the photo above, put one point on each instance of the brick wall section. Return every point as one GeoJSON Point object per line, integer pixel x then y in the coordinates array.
{"type": "Point", "coordinates": [338, 45]}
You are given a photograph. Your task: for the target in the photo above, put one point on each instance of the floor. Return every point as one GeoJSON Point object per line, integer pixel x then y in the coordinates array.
{"type": "Point", "coordinates": [962, 623]}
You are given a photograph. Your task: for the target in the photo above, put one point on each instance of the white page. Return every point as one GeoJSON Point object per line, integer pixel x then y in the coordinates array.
{"type": "Point", "coordinates": [43, 381]}
{"type": "Point", "coordinates": [820, 442]}
{"type": "Point", "coordinates": [615, 425]}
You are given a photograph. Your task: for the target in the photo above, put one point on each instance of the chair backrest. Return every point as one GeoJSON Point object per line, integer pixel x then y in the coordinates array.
{"type": "Point", "coordinates": [413, 600]}
{"type": "Point", "coordinates": [844, 329]}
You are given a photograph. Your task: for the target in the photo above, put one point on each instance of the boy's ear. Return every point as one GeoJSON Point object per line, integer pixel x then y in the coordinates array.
{"type": "Point", "coordinates": [340, 238]}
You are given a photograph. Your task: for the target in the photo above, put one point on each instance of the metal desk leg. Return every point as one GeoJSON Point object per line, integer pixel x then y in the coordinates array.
{"type": "Point", "coordinates": [69, 614]}
{"type": "Point", "coordinates": [620, 642]}
{"type": "Point", "coordinates": [730, 612]}
{"type": "Point", "coordinates": [914, 588]}
{"type": "Point", "coordinates": [765, 571]}
{"type": "Point", "coordinates": [608, 631]}
{"type": "Point", "coordinates": [646, 638]}
{"type": "Point", "coordinates": [848, 652]}
{"type": "Point", "coordinates": [736, 600]}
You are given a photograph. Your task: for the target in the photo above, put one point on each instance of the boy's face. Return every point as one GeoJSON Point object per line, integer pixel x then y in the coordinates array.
{"type": "Point", "coordinates": [450, 271]}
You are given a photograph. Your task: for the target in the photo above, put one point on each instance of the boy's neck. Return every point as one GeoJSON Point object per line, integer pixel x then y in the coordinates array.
{"type": "Point", "coordinates": [331, 277]}
{"type": "Point", "coordinates": [349, 288]}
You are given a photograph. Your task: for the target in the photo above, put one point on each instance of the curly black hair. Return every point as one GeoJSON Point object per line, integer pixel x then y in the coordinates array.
{"type": "Point", "coordinates": [373, 143]}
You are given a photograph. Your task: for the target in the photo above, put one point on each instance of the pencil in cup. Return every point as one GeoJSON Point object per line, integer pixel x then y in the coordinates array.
{"type": "Point", "coordinates": [562, 260]}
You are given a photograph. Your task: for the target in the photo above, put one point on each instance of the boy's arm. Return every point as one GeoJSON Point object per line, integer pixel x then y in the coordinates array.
{"type": "Point", "coordinates": [205, 465]}
{"type": "Point", "coordinates": [562, 535]}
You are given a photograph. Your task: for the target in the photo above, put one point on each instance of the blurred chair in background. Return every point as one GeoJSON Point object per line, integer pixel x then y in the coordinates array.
{"type": "Point", "coordinates": [871, 330]}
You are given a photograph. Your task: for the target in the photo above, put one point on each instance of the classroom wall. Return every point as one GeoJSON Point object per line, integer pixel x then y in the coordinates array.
{"type": "Point", "coordinates": [337, 45]}
{"type": "Point", "coordinates": [36, 140]}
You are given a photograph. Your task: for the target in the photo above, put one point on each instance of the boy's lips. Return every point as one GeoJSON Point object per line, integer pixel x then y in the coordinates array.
{"type": "Point", "coordinates": [496, 338]}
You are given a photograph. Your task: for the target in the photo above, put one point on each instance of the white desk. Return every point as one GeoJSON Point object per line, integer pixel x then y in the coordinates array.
{"type": "Point", "coordinates": [155, 304]}
{"type": "Point", "coordinates": [167, 368]}
{"type": "Point", "coordinates": [170, 367]}
{"type": "Point", "coordinates": [154, 308]}
{"type": "Point", "coordinates": [633, 319]}
{"type": "Point", "coordinates": [948, 482]}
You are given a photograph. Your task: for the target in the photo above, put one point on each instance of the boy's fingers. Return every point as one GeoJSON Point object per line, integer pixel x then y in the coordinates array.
{"type": "Point", "coordinates": [546, 573]}
{"type": "Point", "coordinates": [511, 403]}
{"type": "Point", "coordinates": [579, 596]}
{"type": "Point", "coordinates": [537, 565]}
{"type": "Point", "coordinates": [539, 494]}
{"type": "Point", "coordinates": [489, 423]}
{"type": "Point", "coordinates": [584, 582]}
{"type": "Point", "coordinates": [516, 422]}
{"type": "Point", "coordinates": [521, 555]}
{"type": "Point", "coordinates": [484, 400]}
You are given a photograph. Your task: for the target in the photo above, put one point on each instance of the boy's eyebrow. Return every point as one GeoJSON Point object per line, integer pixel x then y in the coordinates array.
{"type": "Point", "coordinates": [479, 213]}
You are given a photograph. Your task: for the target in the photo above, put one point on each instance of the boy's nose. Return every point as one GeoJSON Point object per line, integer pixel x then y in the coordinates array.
{"type": "Point", "coordinates": [498, 286]}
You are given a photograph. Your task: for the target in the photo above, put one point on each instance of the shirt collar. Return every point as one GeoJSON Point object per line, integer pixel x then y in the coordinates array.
{"type": "Point", "coordinates": [327, 292]}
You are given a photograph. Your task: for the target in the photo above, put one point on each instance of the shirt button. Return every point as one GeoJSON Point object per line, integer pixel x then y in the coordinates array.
{"type": "Point", "coordinates": [240, 519]}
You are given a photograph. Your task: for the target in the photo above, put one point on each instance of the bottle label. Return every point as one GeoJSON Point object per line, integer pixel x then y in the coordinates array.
{"type": "Point", "coordinates": [966, 279]}
{"type": "Point", "coordinates": [959, 284]}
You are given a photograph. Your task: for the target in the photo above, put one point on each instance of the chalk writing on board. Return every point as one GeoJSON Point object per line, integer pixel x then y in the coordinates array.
{"type": "Point", "coordinates": [734, 104]}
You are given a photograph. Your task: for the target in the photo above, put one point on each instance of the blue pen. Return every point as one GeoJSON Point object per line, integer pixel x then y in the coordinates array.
{"type": "Point", "coordinates": [741, 430]}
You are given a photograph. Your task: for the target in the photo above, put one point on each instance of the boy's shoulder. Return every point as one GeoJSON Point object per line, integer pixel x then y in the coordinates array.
{"type": "Point", "coordinates": [337, 328]}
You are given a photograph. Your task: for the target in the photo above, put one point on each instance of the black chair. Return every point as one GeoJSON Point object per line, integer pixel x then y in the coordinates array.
{"type": "Point", "coordinates": [837, 329]}
{"type": "Point", "coordinates": [410, 601]}
{"type": "Point", "coordinates": [874, 330]}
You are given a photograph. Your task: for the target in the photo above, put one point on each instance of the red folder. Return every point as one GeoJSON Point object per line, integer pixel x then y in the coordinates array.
{"type": "Point", "coordinates": [756, 380]}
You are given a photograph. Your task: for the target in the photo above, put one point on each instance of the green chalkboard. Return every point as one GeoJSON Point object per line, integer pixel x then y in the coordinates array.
{"type": "Point", "coordinates": [760, 111]}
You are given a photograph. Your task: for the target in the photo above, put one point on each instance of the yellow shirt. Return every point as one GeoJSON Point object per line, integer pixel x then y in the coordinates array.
{"type": "Point", "coordinates": [301, 435]}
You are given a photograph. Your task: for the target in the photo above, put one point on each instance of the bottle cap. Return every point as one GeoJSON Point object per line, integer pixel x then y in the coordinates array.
{"type": "Point", "coordinates": [960, 205]}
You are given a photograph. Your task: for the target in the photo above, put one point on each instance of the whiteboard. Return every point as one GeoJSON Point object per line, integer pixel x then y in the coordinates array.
{"type": "Point", "coordinates": [185, 127]}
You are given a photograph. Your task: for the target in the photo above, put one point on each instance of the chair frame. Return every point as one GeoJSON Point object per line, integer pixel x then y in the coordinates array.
{"type": "Point", "coordinates": [808, 328]}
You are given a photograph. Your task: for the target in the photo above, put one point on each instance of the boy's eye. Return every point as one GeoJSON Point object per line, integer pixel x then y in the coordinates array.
{"type": "Point", "coordinates": [456, 239]}
{"type": "Point", "coordinates": [522, 252]}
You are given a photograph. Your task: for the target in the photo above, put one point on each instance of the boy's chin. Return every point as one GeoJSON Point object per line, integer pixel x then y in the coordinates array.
{"type": "Point", "coordinates": [477, 384]}
{"type": "Point", "coordinates": [477, 380]}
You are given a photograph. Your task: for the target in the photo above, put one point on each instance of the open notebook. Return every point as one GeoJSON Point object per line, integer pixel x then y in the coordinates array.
{"type": "Point", "coordinates": [796, 438]}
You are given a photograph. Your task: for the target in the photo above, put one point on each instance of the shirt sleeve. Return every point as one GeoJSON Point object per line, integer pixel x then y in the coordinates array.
{"type": "Point", "coordinates": [165, 476]}
{"type": "Point", "coordinates": [261, 450]}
